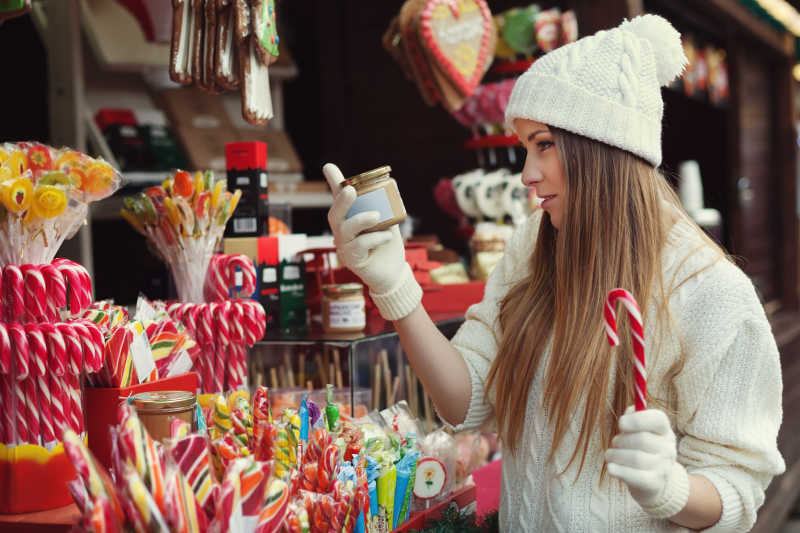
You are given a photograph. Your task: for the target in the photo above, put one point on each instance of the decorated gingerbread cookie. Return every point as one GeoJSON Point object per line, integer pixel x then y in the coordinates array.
{"type": "Point", "coordinates": [459, 36]}
{"type": "Point", "coordinates": [226, 61]}
{"type": "Point", "coordinates": [180, 69]}
{"type": "Point", "coordinates": [264, 27]}
{"type": "Point", "coordinates": [422, 75]}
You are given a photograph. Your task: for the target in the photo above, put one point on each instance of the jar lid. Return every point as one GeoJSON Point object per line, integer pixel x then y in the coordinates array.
{"type": "Point", "coordinates": [342, 288]}
{"type": "Point", "coordinates": [367, 176]}
{"type": "Point", "coordinates": [158, 400]}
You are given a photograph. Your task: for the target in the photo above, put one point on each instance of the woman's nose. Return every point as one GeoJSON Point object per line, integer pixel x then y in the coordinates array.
{"type": "Point", "coordinates": [531, 175]}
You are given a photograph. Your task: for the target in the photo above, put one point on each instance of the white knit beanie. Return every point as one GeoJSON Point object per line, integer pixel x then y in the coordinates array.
{"type": "Point", "coordinates": [606, 86]}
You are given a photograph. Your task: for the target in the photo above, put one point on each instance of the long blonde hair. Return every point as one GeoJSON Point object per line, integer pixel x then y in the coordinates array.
{"type": "Point", "coordinates": [612, 233]}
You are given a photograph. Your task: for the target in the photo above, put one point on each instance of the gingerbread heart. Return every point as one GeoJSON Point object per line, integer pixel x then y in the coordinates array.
{"type": "Point", "coordinates": [460, 36]}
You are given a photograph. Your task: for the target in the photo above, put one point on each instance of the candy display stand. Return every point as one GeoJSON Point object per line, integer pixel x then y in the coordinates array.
{"type": "Point", "coordinates": [101, 409]}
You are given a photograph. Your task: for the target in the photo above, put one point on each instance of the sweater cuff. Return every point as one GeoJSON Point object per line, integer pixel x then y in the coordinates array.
{"type": "Point", "coordinates": [732, 508]}
{"type": "Point", "coordinates": [402, 299]}
{"type": "Point", "coordinates": [674, 497]}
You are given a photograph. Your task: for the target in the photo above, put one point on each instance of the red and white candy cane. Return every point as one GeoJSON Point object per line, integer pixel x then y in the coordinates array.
{"type": "Point", "coordinates": [80, 286]}
{"type": "Point", "coordinates": [56, 290]}
{"type": "Point", "coordinates": [637, 332]}
{"type": "Point", "coordinates": [73, 346]}
{"type": "Point", "coordinates": [217, 284]}
{"type": "Point", "coordinates": [35, 293]}
{"type": "Point", "coordinates": [243, 264]}
{"type": "Point", "coordinates": [13, 293]}
{"type": "Point", "coordinates": [38, 356]}
{"type": "Point", "coordinates": [21, 355]}
{"type": "Point", "coordinates": [5, 350]}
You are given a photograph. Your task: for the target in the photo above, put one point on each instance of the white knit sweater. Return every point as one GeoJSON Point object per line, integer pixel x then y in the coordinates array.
{"type": "Point", "coordinates": [728, 401]}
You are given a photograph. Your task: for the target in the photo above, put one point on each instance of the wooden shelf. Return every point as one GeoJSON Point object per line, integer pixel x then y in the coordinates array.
{"type": "Point", "coordinates": [53, 521]}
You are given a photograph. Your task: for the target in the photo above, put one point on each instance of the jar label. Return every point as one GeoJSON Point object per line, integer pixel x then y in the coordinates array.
{"type": "Point", "coordinates": [376, 200]}
{"type": "Point", "coordinates": [348, 314]}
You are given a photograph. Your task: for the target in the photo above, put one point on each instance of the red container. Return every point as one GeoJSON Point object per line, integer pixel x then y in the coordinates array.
{"type": "Point", "coordinates": [101, 409]}
{"type": "Point", "coordinates": [33, 478]}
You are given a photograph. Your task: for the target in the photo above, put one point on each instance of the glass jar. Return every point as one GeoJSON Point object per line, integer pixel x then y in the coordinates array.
{"type": "Point", "coordinates": [377, 191]}
{"type": "Point", "coordinates": [343, 308]}
{"type": "Point", "coordinates": [157, 409]}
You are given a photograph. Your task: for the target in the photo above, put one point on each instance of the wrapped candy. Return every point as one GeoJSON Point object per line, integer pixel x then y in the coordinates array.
{"type": "Point", "coordinates": [192, 457]}
{"type": "Point", "coordinates": [275, 508]}
{"type": "Point", "coordinates": [142, 509]}
{"type": "Point", "coordinates": [387, 482]}
{"type": "Point", "coordinates": [228, 511]}
{"type": "Point", "coordinates": [406, 474]}
{"type": "Point", "coordinates": [255, 477]}
{"type": "Point", "coordinates": [181, 507]}
{"type": "Point", "coordinates": [142, 453]}
{"type": "Point", "coordinates": [94, 477]}
{"type": "Point", "coordinates": [264, 433]}
{"type": "Point", "coordinates": [296, 519]}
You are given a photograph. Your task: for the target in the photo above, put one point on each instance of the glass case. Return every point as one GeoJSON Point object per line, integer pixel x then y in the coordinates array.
{"type": "Point", "coordinates": [368, 369]}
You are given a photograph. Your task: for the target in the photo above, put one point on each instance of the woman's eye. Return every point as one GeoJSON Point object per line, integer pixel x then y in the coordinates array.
{"type": "Point", "coordinates": [544, 145]}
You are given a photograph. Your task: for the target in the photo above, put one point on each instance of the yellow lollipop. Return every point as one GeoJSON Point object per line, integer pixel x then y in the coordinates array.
{"type": "Point", "coordinates": [16, 194]}
{"type": "Point", "coordinates": [49, 201]}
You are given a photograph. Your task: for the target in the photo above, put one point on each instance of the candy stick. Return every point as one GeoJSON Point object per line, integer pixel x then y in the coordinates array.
{"type": "Point", "coordinates": [248, 274]}
{"type": "Point", "coordinates": [32, 410]}
{"type": "Point", "coordinates": [376, 383]}
{"type": "Point", "coordinates": [8, 413]}
{"type": "Point", "coordinates": [56, 289]}
{"type": "Point", "coordinates": [38, 357]}
{"type": "Point", "coordinates": [80, 286]}
{"type": "Point", "coordinates": [410, 392]}
{"type": "Point", "coordinates": [5, 350]}
{"type": "Point", "coordinates": [97, 343]}
{"type": "Point", "coordinates": [236, 322]}
{"type": "Point", "coordinates": [428, 411]}
{"type": "Point", "coordinates": [637, 334]}
{"type": "Point", "coordinates": [289, 371]}
{"type": "Point", "coordinates": [19, 345]}
{"type": "Point", "coordinates": [387, 376]}
{"type": "Point", "coordinates": [13, 292]}
{"type": "Point", "coordinates": [215, 288]}
{"type": "Point", "coordinates": [35, 293]}
{"type": "Point", "coordinates": [72, 346]}
{"type": "Point", "coordinates": [273, 375]}
{"type": "Point", "coordinates": [73, 388]}
{"type": "Point", "coordinates": [323, 372]}
{"type": "Point", "coordinates": [338, 367]}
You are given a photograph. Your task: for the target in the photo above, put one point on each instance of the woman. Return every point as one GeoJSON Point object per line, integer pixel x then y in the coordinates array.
{"type": "Point", "coordinates": [532, 357]}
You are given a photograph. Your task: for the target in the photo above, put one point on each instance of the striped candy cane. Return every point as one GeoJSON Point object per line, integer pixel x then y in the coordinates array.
{"type": "Point", "coordinates": [38, 357]}
{"type": "Point", "coordinates": [35, 293]}
{"type": "Point", "coordinates": [56, 290]}
{"type": "Point", "coordinates": [215, 288]}
{"type": "Point", "coordinates": [248, 272]}
{"type": "Point", "coordinates": [13, 293]}
{"type": "Point", "coordinates": [637, 332]}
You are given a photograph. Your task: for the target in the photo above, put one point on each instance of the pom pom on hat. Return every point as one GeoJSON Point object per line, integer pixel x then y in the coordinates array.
{"type": "Point", "coordinates": [665, 41]}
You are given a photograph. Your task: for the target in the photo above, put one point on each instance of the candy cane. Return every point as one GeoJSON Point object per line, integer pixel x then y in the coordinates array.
{"type": "Point", "coordinates": [38, 357]}
{"type": "Point", "coordinates": [217, 283]}
{"type": "Point", "coordinates": [13, 293]}
{"type": "Point", "coordinates": [80, 287]}
{"type": "Point", "coordinates": [73, 347]}
{"type": "Point", "coordinates": [56, 290]}
{"type": "Point", "coordinates": [248, 270]}
{"type": "Point", "coordinates": [5, 350]}
{"type": "Point", "coordinates": [8, 412]}
{"type": "Point", "coordinates": [19, 345]}
{"type": "Point", "coordinates": [637, 332]}
{"type": "Point", "coordinates": [35, 293]}
{"type": "Point", "coordinates": [73, 387]}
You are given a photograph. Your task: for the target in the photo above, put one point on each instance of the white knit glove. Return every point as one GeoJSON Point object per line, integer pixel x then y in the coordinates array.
{"type": "Point", "coordinates": [378, 258]}
{"type": "Point", "coordinates": [644, 456]}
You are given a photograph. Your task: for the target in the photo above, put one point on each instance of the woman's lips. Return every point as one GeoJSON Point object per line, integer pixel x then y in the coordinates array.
{"type": "Point", "coordinates": [545, 199]}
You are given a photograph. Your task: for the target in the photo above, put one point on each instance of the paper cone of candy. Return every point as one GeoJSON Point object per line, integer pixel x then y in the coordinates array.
{"type": "Point", "coordinates": [45, 347]}
{"type": "Point", "coordinates": [184, 220]}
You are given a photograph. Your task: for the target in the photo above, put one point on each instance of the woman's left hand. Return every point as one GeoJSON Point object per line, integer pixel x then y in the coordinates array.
{"type": "Point", "coordinates": [644, 456]}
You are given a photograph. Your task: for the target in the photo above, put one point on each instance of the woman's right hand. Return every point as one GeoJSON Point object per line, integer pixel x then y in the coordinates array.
{"type": "Point", "coordinates": [378, 258]}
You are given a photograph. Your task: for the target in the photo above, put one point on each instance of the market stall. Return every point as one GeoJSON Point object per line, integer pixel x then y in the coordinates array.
{"type": "Point", "coordinates": [262, 390]}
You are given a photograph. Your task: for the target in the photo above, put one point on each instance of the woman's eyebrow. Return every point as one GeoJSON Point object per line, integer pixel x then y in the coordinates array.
{"type": "Point", "coordinates": [533, 135]}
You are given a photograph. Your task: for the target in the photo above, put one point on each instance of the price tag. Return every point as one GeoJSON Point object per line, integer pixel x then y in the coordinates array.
{"type": "Point", "coordinates": [142, 356]}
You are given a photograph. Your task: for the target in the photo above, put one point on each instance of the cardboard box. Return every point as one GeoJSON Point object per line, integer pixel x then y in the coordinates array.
{"type": "Point", "coordinates": [246, 167]}
{"type": "Point", "coordinates": [101, 408]}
